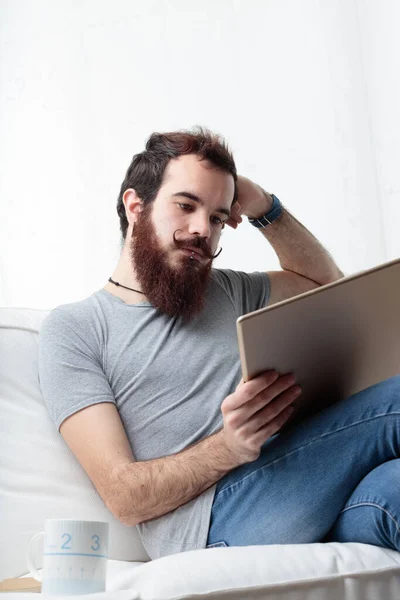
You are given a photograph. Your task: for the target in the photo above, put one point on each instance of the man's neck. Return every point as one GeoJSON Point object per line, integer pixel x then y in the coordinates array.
{"type": "Point", "coordinates": [124, 273]}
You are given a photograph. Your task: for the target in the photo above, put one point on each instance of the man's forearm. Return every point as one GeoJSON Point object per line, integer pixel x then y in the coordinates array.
{"type": "Point", "coordinates": [149, 489]}
{"type": "Point", "coordinates": [299, 251]}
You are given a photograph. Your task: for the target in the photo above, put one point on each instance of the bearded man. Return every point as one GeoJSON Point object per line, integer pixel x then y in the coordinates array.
{"type": "Point", "coordinates": [143, 379]}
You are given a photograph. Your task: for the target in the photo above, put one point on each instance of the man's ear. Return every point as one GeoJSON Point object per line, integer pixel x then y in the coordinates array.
{"type": "Point", "coordinates": [133, 205]}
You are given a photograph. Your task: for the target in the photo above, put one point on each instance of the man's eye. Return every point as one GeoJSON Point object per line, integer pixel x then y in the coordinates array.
{"type": "Point", "coordinates": [217, 221]}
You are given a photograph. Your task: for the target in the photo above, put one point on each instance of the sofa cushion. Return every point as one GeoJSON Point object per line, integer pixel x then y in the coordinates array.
{"type": "Point", "coordinates": [40, 478]}
{"type": "Point", "coordinates": [350, 571]}
{"type": "Point", "coordinates": [333, 571]}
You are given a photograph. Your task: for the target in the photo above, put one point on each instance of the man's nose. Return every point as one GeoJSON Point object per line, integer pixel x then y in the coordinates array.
{"type": "Point", "coordinates": [200, 225]}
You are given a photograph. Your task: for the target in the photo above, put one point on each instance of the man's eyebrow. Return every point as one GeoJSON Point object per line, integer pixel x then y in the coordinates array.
{"type": "Point", "coordinates": [191, 196]}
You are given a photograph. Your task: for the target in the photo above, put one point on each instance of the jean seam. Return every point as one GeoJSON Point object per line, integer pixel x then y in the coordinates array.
{"type": "Point", "coordinates": [376, 506]}
{"type": "Point", "coordinates": [237, 483]}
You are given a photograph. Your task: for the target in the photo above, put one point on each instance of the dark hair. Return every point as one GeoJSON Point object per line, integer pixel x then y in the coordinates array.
{"type": "Point", "coordinates": [145, 173]}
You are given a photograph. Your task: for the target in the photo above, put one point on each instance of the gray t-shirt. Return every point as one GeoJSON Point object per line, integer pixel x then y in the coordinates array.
{"type": "Point", "coordinates": [167, 379]}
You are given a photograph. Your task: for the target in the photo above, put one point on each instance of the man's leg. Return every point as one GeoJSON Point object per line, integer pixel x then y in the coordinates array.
{"type": "Point", "coordinates": [294, 492]}
{"type": "Point", "coordinates": [371, 514]}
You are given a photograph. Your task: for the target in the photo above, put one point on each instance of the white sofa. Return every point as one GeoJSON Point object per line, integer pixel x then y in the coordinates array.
{"type": "Point", "coordinates": [40, 478]}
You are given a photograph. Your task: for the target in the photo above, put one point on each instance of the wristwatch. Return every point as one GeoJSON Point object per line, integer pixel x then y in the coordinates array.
{"type": "Point", "coordinates": [267, 219]}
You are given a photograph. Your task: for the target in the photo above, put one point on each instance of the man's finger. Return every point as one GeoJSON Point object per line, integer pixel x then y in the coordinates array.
{"type": "Point", "coordinates": [232, 223]}
{"type": "Point", "coordinates": [253, 388]}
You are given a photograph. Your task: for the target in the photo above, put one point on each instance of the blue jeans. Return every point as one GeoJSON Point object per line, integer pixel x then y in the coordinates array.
{"type": "Point", "coordinates": [333, 477]}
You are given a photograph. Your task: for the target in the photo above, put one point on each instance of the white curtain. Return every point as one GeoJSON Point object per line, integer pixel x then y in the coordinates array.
{"type": "Point", "coordinates": [306, 93]}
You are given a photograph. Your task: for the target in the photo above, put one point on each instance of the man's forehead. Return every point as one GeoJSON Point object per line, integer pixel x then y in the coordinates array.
{"type": "Point", "coordinates": [190, 174]}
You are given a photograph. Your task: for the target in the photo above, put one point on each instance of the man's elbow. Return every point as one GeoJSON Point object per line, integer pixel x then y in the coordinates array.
{"type": "Point", "coordinates": [120, 501]}
{"type": "Point", "coordinates": [129, 520]}
{"type": "Point", "coordinates": [334, 276]}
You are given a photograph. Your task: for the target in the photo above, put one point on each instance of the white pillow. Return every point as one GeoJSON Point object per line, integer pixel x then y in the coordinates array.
{"type": "Point", "coordinates": [40, 478]}
{"type": "Point", "coordinates": [329, 571]}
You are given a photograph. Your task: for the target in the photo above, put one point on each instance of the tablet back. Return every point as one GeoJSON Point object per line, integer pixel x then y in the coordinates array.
{"type": "Point", "coordinates": [337, 339]}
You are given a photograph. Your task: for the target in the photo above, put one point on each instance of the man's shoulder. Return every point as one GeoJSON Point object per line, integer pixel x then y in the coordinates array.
{"type": "Point", "coordinates": [248, 291]}
{"type": "Point", "coordinates": [221, 275]}
{"type": "Point", "coordinates": [223, 278]}
{"type": "Point", "coordinates": [236, 278]}
{"type": "Point", "coordinates": [78, 314]}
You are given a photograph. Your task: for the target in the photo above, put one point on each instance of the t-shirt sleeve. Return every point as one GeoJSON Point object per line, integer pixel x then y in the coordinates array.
{"type": "Point", "coordinates": [247, 291]}
{"type": "Point", "coordinates": [71, 376]}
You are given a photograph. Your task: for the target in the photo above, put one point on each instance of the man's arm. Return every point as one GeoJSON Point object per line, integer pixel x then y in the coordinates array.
{"type": "Point", "coordinates": [140, 491]}
{"type": "Point", "coordinates": [149, 489]}
{"type": "Point", "coordinates": [305, 263]}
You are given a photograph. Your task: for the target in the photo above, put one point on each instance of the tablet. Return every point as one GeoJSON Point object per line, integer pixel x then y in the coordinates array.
{"type": "Point", "coordinates": [337, 339]}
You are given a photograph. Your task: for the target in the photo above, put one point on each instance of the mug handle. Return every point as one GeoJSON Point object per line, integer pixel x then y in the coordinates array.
{"type": "Point", "coordinates": [31, 566]}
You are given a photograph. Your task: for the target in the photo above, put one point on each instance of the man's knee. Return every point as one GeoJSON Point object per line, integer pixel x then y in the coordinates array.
{"type": "Point", "coordinates": [389, 387]}
{"type": "Point", "coordinates": [382, 482]}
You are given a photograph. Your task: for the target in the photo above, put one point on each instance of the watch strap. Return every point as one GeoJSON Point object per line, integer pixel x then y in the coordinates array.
{"type": "Point", "coordinates": [271, 216]}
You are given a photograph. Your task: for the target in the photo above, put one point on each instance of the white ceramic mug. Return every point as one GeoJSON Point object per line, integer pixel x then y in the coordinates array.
{"type": "Point", "coordinates": [74, 557]}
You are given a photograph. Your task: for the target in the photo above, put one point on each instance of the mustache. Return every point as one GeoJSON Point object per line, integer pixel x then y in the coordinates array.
{"type": "Point", "coordinates": [196, 242]}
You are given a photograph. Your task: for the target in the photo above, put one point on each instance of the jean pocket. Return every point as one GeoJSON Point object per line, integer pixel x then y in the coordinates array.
{"type": "Point", "coordinates": [218, 545]}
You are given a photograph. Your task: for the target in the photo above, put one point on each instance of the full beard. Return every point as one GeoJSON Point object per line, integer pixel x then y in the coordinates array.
{"type": "Point", "coordinates": [179, 290]}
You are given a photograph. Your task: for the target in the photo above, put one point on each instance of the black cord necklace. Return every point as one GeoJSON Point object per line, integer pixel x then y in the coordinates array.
{"type": "Point", "coordinates": [131, 289]}
{"type": "Point", "coordinates": [124, 286]}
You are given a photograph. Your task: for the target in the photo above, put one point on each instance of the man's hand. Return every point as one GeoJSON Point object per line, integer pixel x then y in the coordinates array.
{"type": "Point", "coordinates": [256, 411]}
{"type": "Point", "coordinates": [252, 202]}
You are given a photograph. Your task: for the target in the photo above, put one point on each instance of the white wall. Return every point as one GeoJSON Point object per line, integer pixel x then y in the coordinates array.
{"type": "Point", "coordinates": [305, 93]}
{"type": "Point", "coordinates": [380, 46]}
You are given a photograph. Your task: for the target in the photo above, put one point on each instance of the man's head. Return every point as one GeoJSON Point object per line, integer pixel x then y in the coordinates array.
{"type": "Point", "coordinates": [173, 203]}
